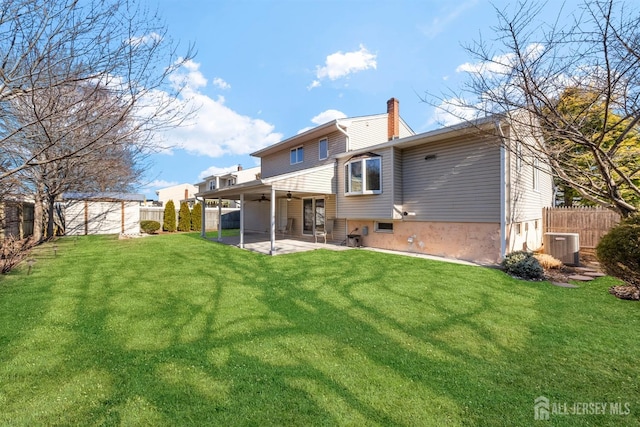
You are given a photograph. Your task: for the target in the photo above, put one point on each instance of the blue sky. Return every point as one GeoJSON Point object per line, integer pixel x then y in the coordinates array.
{"type": "Point", "coordinates": [265, 70]}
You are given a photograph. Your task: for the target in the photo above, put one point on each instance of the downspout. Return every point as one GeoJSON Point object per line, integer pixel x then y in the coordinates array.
{"type": "Point", "coordinates": [346, 144]}
{"type": "Point", "coordinates": [503, 184]}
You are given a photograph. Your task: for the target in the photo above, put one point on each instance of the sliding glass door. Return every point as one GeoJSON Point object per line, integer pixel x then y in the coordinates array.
{"type": "Point", "coordinates": [312, 215]}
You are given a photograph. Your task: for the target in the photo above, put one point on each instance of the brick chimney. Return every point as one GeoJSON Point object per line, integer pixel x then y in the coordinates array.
{"type": "Point", "coordinates": [393, 119]}
{"type": "Point", "coordinates": [239, 167]}
{"type": "Point", "coordinates": [186, 194]}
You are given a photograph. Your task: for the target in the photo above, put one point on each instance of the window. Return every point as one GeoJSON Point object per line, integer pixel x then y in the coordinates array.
{"type": "Point", "coordinates": [384, 227]}
{"type": "Point", "coordinates": [297, 155]}
{"type": "Point", "coordinates": [363, 176]}
{"type": "Point", "coordinates": [518, 156]}
{"type": "Point", "coordinates": [212, 185]}
{"type": "Point", "coordinates": [323, 149]}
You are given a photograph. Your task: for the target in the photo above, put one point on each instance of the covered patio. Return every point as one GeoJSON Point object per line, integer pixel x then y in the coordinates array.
{"type": "Point", "coordinates": [278, 216]}
{"type": "Point", "coordinates": [261, 243]}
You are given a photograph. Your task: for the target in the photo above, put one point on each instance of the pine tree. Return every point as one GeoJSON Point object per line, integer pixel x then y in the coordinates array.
{"type": "Point", "coordinates": [184, 217]}
{"type": "Point", "coordinates": [169, 223]}
{"type": "Point", "coordinates": [196, 217]}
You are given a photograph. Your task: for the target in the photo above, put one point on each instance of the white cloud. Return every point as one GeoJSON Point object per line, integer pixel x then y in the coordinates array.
{"type": "Point", "coordinates": [327, 116]}
{"type": "Point", "coordinates": [501, 64]}
{"type": "Point", "coordinates": [157, 185]}
{"type": "Point", "coordinates": [322, 118]}
{"type": "Point", "coordinates": [341, 64]}
{"type": "Point", "coordinates": [440, 24]}
{"type": "Point", "coordinates": [216, 170]}
{"type": "Point", "coordinates": [150, 38]}
{"type": "Point", "coordinates": [214, 130]}
{"type": "Point", "coordinates": [452, 111]}
{"type": "Point", "coordinates": [189, 76]}
{"type": "Point", "coordinates": [218, 82]}
{"type": "Point", "coordinates": [314, 84]}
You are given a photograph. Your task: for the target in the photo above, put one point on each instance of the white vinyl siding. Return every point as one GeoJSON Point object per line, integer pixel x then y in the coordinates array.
{"type": "Point", "coordinates": [460, 184]}
{"type": "Point", "coordinates": [318, 180]}
{"type": "Point", "coordinates": [525, 203]}
{"type": "Point", "coordinates": [280, 162]}
{"type": "Point", "coordinates": [377, 206]}
{"type": "Point", "coordinates": [367, 132]}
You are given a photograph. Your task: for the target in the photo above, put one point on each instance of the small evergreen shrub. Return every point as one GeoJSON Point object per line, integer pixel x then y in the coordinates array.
{"type": "Point", "coordinates": [184, 217]}
{"type": "Point", "coordinates": [196, 217]}
{"type": "Point", "coordinates": [619, 251]}
{"type": "Point", "coordinates": [149, 226]}
{"type": "Point", "coordinates": [169, 223]}
{"type": "Point", "coordinates": [523, 265]}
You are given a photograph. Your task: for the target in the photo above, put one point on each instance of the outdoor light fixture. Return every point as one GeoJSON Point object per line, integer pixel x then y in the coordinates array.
{"type": "Point", "coordinates": [289, 196]}
{"type": "Point", "coordinates": [430, 156]}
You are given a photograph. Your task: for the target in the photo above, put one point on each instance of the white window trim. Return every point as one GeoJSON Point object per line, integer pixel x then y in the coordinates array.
{"type": "Point", "coordinates": [296, 150]}
{"type": "Point", "coordinates": [326, 141]}
{"type": "Point", "coordinates": [347, 178]}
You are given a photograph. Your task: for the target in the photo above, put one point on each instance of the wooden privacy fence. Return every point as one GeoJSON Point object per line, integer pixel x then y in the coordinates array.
{"type": "Point", "coordinates": [590, 223]}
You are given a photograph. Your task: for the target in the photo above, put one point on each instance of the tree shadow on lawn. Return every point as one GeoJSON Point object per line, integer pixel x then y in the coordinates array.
{"type": "Point", "coordinates": [315, 338]}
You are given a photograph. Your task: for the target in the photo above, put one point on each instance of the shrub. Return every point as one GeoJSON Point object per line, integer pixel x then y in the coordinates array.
{"type": "Point", "coordinates": [169, 223]}
{"type": "Point", "coordinates": [196, 217]}
{"type": "Point", "coordinates": [184, 217]}
{"type": "Point", "coordinates": [12, 251]}
{"type": "Point", "coordinates": [547, 261]}
{"type": "Point", "coordinates": [149, 226]}
{"type": "Point", "coordinates": [619, 251]}
{"type": "Point", "coordinates": [523, 265]}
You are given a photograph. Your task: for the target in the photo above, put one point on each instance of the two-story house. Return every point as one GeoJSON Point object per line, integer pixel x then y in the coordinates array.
{"type": "Point", "coordinates": [228, 179]}
{"type": "Point", "coordinates": [456, 191]}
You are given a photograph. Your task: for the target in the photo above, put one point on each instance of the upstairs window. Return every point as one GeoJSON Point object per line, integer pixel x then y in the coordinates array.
{"type": "Point", "coordinates": [363, 175]}
{"type": "Point", "coordinates": [212, 185]}
{"type": "Point", "coordinates": [297, 155]}
{"type": "Point", "coordinates": [323, 149]}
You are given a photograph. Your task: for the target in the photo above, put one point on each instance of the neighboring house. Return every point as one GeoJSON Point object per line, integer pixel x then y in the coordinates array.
{"type": "Point", "coordinates": [101, 213]}
{"type": "Point", "coordinates": [228, 179]}
{"type": "Point", "coordinates": [455, 192]}
{"type": "Point", "coordinates": [178, 193]}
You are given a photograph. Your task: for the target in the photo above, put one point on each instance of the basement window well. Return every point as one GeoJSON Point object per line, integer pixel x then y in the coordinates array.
{"type": "Point", "coordinates": [363, 175]}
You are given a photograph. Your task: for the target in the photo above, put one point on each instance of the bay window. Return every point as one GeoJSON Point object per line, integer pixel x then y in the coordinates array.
{"type": "Point", "coordinates": [363, 175]}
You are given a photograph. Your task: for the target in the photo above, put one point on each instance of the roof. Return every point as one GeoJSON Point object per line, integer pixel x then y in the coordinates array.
{"type": "Point", "coordinates": [302, 137]}
{"type": "Point", "coordinates": [459, 129]}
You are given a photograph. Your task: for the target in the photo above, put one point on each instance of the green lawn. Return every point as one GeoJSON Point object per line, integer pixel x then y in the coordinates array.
{"type": "Point", "coordinates": [175, 330]}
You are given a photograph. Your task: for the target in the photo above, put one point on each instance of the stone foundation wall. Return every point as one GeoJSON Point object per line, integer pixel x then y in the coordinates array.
{"type": "Point", "coordinates": [478, 242]}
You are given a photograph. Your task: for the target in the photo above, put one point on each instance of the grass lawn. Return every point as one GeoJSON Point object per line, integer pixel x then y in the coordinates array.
{"type": "Point", "coordinates": [175, 330]}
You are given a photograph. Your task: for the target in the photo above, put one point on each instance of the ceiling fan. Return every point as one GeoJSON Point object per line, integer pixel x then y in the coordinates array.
{"type": "Point", "coordinates": [290, 196]}
{"type": "Point", "coordinates": [262, 199]}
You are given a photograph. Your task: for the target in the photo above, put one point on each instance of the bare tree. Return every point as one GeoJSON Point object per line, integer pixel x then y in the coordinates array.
{"type": "Point", "coordinates": [95, 45]}
{"type": "Point", "coordinates": [529, 79]}
{"type": "Point", "coordinates": [83, 86]}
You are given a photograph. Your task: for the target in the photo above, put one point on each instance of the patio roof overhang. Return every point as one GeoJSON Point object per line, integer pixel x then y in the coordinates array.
{"type": "Point", "coordinates": [257, 188]}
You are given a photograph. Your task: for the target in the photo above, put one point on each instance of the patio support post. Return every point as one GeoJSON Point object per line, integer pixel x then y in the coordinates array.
{"type": "Point", "coordinates": [219, 219]}
{"type": "Point", "coordinates": [241, 220]}
{"type": "Point", "coordinates": [272, 221]}
{"type": "Point", "coordinates": [203, 216]}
